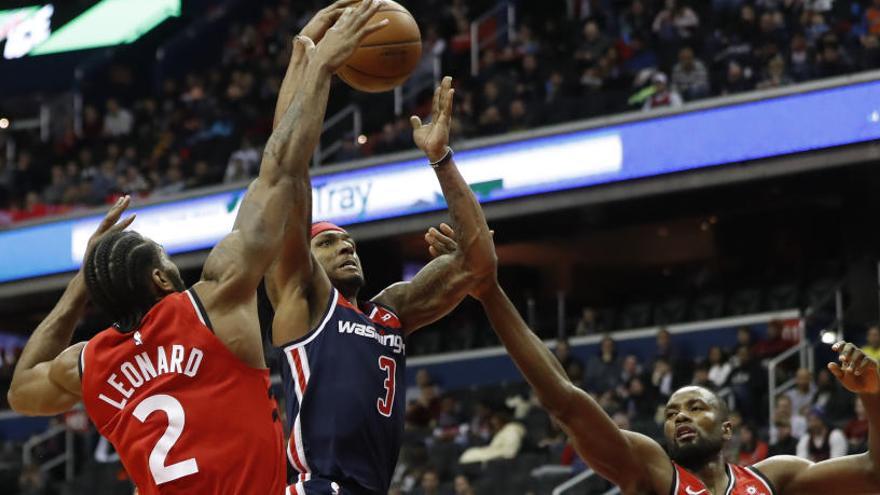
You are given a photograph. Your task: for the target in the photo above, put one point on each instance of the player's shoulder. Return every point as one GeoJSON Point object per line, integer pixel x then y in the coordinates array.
{"type": "Point", "coordinates": [660, 473]}
{"type": "Point", "coordinates": [749, 480]}
{"type": "Point", "coordinates": [374, 310]}
{"type": "Point", "coordinates": [392, 297]}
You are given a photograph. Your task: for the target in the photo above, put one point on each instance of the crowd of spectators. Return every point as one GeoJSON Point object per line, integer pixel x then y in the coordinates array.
{"type": "Point", "coordinates": [606, 56]}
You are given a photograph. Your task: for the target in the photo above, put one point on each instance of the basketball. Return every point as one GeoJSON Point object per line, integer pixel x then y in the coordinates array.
{"type": "Point", "coordinates": [387, 57]}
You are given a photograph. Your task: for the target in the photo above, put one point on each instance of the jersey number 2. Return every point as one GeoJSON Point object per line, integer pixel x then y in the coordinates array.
{"type": "Point", "coordinates": [385, 404]}
{"type": "Point", "coordinates": [176, 419]}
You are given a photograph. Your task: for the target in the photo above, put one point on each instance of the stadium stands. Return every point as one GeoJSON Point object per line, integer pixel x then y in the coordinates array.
{"type": "Point", "coordinates": [207, 126]}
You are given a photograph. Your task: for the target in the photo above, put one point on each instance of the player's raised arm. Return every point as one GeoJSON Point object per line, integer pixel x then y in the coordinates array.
{"type": "Point", "coordinates": [296, 279]}
{"type": "Point", "coordinates": [632, 461]}
{"type": "Point", "coordinates": [314, 30]}
{"type": "Point", "coordinates": [629, 460]}
{"type": "Point", "coordinates": [445, 281]}
{"type": "Point", "coordinates": [46, 377]}
{"type": "Point", "coordinates": [852, 474]}
{"type": "Point", "coordinates": [274, 211]}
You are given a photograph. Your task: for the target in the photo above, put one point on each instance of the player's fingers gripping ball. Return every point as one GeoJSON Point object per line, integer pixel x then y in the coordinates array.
{"type": "Point", "coordinates": [387, 57]}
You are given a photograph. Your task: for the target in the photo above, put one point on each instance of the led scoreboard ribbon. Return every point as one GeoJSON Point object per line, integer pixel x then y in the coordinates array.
{"type": "Point", "coordinates": [649, 147]}
{"type": "Point", "coordinates": [28, 30]}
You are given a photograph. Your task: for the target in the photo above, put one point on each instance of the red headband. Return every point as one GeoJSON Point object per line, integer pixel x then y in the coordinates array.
{"type": "Point", "coordinates": [319, 227]}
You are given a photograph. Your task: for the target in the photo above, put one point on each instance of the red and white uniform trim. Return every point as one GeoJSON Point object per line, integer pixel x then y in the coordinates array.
{"type": "Point", "coordinates": [298, 360]}
{"type": "Point", "coordinates": [741, 481]}
{"type": "Point", "coordinates": [297, 489]}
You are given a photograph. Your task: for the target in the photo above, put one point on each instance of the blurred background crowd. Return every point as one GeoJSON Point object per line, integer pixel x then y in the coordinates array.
{"type": "Point", "coordinates": [565, 61]}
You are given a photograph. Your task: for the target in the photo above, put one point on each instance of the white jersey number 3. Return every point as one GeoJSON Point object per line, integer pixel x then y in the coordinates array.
{"type": "Point", "coordinates": [176, 419]}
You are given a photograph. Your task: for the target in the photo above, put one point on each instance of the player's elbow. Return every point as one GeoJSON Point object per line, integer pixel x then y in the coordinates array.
{"type": "Point", "coordinates": [12, 400]}
{"type": "Point", "coordinates": [479, 264]}
{"type": "Point", "coordinates": [17, 402]}
{"type": "Point", "coordinates": [28, 403]}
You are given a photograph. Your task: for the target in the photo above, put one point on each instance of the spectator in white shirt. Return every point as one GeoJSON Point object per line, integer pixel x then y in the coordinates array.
{"type": "Point", "coordinates": [676, 22]}
{"type": "Point", "coordinates": [719, 367]}
{"type": "Point", "coordinates": [505, 444]}
{"type": "Point", "coordinates": [663, 96]}
{"type": "Point", "coordinates": [821, 442]}
{"type": "Point", "coordinates": [689, 76]}
{"type": "Point", "coordinates": [118, 121]}
{"type": "Point", "coordinates": [802, 394]}
{"type": "Point", "coordinates": [243, 163]}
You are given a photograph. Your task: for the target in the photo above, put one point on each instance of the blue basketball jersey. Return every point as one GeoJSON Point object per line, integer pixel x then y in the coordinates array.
{"type": "Point", "coordinates": [344, 386]}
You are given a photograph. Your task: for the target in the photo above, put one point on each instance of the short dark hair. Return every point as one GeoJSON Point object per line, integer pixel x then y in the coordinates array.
{"type": "Point", "coordinates": [117, 273]}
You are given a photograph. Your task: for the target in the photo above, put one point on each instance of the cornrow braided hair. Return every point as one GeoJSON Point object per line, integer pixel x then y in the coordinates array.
{"type": "Point", "coordinates": [117, 274]}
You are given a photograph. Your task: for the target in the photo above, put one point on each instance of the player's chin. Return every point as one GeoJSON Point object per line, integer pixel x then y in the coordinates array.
{"type": "Point", "coordinates": [349, 277]}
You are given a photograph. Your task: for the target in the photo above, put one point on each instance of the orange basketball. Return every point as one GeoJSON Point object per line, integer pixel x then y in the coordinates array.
{"type": "Point", "coordinates": [387, 57]}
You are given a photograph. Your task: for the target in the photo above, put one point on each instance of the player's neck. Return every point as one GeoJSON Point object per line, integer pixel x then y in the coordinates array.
{"type": "Point", "coordinates": [714, 474]}
{"type": "Point", "coordinates": [348, 291]}
{"type": "Point", "coordinates": [349, 295]}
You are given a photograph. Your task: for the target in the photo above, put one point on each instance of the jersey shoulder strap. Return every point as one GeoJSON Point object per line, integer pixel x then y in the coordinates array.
{"type": "Point", "coordinates": [758, 477]}
{"type": "Point", "coordinates": [333, 301]}
{"type": "Point", "coordinates": [199, 308]}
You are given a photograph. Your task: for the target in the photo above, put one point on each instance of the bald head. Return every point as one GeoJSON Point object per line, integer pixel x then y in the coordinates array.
{"type": "Point", "coordinates": [709, 397]}
{"type": "Point", "coordinates": [697, 426]}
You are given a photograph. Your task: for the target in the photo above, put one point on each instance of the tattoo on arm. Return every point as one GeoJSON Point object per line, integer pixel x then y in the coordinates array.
{"type": "Point", "coordinates": [435, 291]}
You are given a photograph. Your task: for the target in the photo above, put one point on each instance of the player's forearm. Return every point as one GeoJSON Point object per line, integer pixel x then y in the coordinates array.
{"type": "Point", "coordinates": [598, 439]}
{"type": "Point", "coordinates": [474, 240]}
{"type": "Point", "coordinates": [293, 141]}
{"type": "Point", "coordinates": [872, 410]}
{"type": "Point", "coordinates": [53, 334]}
{"type": "Point", "coordinates": [288, 87]}
{"type": "Point", "coordinates": [539, 366]}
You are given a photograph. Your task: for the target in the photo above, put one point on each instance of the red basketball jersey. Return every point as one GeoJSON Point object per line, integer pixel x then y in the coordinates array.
{"type": "Point", "coordinates": [184, 413]}
{"type": "Point", "coordinates": [743, 481]}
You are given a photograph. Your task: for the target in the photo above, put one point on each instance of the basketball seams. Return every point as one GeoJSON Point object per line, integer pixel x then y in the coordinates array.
{"type": "Point", "coordinates": [385, 59]}
{"type": "Point", "coordinates": [396, 43]}
{"type": "Point", "coordinates": [359, 71]}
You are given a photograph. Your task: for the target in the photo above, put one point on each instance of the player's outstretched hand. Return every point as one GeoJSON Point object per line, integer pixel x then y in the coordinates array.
{"type": "Point", "coordinates": [442, 240]}
{"type": "Point", "coordinates": [324, 18]}
{"type": "Point", "coordinates": [857, 372]}
{"type": "Point", "coordinates": [111, 222]}
{"type": "Point", "coordinates": [433, 138]}
{"type": "Point", "coordinates": [345, 35]}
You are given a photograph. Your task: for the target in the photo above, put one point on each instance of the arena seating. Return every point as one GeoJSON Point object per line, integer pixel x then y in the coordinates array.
{"type": "Point", "coordinates": [207, 125]}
